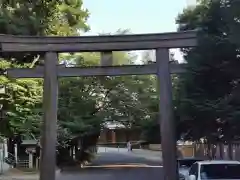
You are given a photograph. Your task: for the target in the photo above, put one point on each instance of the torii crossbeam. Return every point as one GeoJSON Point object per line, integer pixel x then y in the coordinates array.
{"type": "Point", "coordinates": [51, 46]}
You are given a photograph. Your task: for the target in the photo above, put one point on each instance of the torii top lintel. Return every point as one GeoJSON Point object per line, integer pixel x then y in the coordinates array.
{"type": "Point", "coordinates": [11, 43]}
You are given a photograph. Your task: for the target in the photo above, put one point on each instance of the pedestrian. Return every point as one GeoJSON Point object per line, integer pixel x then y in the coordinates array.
{"type": "Point", "coordinates": [129, 146]}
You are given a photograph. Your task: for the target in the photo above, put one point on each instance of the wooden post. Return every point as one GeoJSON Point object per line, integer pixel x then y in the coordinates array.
{"type": "Point", "coordinates": [49, 136]}
{"type": "Point", "coordinates": [30, 158]}
{"type": "Point", "coordinates": [5, 150]}
{"type": "Point", "coordinates": [113, 136]}
{"type": "Point", "coordinates": [16, 153]}
{"type": "Point", "coordinates": [37, 163]}
{"type": "Point", "coordinates": [168, 139]}
{"type": "Point", "coordinates": [74, 152]}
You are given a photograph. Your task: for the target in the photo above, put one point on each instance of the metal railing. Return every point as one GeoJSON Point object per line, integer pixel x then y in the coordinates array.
{"type": "Point", "coordinates": [10, 159]}
{"type": "Point", "coordinates": [23, 163]}
{"type": "Point", "coordinates": [13, 162]}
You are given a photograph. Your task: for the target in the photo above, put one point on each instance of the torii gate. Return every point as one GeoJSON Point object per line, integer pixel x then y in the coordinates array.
{"type": "Point", "coordinates": [51, 46]}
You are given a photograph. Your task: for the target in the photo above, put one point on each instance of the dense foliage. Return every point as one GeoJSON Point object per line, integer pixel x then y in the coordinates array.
{"type": "Point", "coordinates": [22, 103]}
{"type": "Point", "coordinates": [208, 94]}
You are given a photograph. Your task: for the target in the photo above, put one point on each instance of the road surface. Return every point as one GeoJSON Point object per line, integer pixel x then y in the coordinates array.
{"type": "Point", "coordinates": [118, 164]}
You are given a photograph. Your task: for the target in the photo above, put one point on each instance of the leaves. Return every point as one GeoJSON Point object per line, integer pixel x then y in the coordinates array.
{"type": "Point", "coordinates": [206, 92]}
{"type": "Point", "coordinates": [22, 102]}
{"type": "Point", "coordinates": [40, 18]}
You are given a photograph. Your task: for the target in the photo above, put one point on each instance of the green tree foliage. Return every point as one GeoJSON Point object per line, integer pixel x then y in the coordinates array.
{"type": "Point", "coordinates": [41, 17]}
{"type": "Point", "coordinates": [23, 102]}
{"type": "Point", "coordinates": [208, 93]}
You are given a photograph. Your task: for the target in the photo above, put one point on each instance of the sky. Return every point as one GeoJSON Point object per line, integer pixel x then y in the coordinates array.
{"type": "Point", "coordinates": [152, 16]}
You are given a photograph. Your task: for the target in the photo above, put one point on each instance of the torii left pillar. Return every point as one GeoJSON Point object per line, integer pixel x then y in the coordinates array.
{"type": "Point", "coordinates": [50, 105]}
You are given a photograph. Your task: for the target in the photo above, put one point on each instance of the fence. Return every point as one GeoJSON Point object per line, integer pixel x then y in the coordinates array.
{"type": "Point", "coordinates": [201, 150]}
{"type": "Point", "coordinates": [23, 164]}
{"type": "Point", "coordinates": [212, 151]}
{"type": "Point", "coordinates": [218, 151]}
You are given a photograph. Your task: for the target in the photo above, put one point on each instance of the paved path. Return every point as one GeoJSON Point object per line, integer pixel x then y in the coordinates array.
{"type": "Point", "coordinates": [122, 156]}
{"type": "Point", "coordinates": [117, 164]}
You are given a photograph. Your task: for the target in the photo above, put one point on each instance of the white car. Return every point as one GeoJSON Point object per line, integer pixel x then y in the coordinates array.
{"type": "Point", "coordinates": [184, 164]}
{"type": "Point", "coordinates": [214, 170]}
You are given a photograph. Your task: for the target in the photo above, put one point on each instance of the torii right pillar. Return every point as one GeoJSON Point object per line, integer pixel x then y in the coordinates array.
{"type": "Point", "coordinates": [167, 125]}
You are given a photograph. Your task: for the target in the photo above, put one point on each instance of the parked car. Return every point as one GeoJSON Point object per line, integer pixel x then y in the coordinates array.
{"type": "Point", "coordinates": [184, 164]}
{"type": "Point", "coordinates": [214, 170]}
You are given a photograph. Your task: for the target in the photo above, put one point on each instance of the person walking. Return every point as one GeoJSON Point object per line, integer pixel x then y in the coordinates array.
{"type": "Point", "coordinates": [129, 146]}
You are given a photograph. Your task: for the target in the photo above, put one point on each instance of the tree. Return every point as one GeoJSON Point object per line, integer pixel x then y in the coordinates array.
{"type": "Point", "coordinates": [21, 106]}
{"type": "Point", "coordinates": [23, 102]}
{"type": "Point", "coordinates": [41, 17]}
{"type": "Point", "coordinates": [207, 104]}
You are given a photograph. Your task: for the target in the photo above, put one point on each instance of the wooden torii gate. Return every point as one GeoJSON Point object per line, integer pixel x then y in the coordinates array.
{"type": "Point", "coordinates": [51, 46]}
